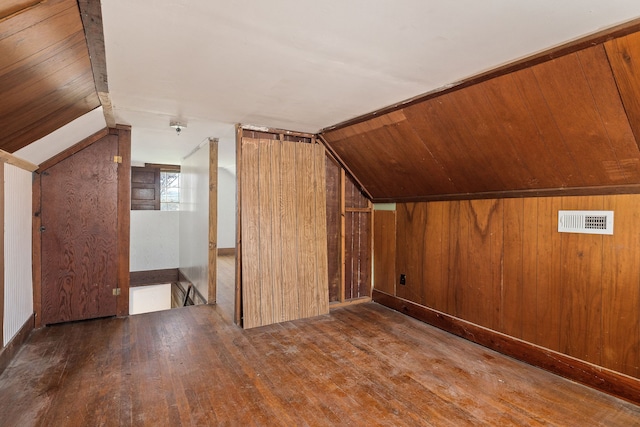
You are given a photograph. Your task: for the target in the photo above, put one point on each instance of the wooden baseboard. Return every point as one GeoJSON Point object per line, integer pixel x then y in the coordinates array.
{"type": "Point", "coordinates": [153, 277]}
{"type": "Point", "coordinates": [606, 380]}
{"type": "Point", "coordinates": [338, 304]}
{"type": "Point", "coordinates": [226, 251]}
{"type": "Point", "coordinates": [13, 346]}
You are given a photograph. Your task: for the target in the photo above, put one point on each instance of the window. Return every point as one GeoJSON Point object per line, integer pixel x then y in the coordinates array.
{"type": "Point", "coordinates": [155, 187]}
{"type": "Point", "coordinates": [169, 190]}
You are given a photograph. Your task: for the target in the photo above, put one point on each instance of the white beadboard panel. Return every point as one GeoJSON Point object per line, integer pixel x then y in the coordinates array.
{"type": "Point", "coordinates": [226, 209]}
{"type": "Point", "coordinates": [194, 219]}
{"type": "Point", "coordinates": [145, 299]}
{"type": "Point", "coordinates": [18, 292]}
{"type": "Point", "coordinates": [154, 240]}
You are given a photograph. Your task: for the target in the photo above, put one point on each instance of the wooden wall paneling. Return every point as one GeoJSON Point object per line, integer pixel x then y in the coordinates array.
{"type": "Point", "coordinates": [530, 320]}
{"type": "Point", "coordinates": [621, 288]}
{"type": "Point", "coordinates": [458, 255]}
{"type": "Point", "coordinates": [124, 218]}
{"type": "Point", "coordinates": [441, 137]}
{"type": "Point", "coordinates": [437, 293]}
{"type": "Point", "coordinates": [512, 299]}
{"type": "Point", "coordinates": [410, 247]}
{"type": "Point", "coordinates": [581, 309]}
{"type": "Point", "coordinates": [364, 254]}
{"type": "Point", "coordinates": [481, 133]}
{"type": "Point", "coordinates": [384, 251]}
{"type": "Point", "coordinates": [266, 238]}
{"type": "Point", "coordinates": [485, 261]}
{"type": "Point", "coordinates": [514, 124]}
{"type": "Point", "coordinates": [251, 298]}
{"type": "Point", "coordinates": [351, 267]}
{"type": "Point", "coordinates": [580, 124]}
{"type": "Point", "coordinates": [548, 252]}
{"type": "Point", "coordinates": [412, 168]}
{"type": "Point", "coordinates": [213, 222]}
{"type": "Point", "coordinates": [334, 218]}
{"type": "Point", "coordinates": [624, 166]}
{"type": "Point", "coordinates": [624, 58]}
{"type": "Point", "coordinates": [545, 135]}
{"type": "Point", "coordinates": [11, 7]}
{"type": "Point", "coordinates": [289, 171]}
{"type": "Point", "coordinates": [45, 40]}
{"type": "Point", "coordinates": [320, 239]}
{"type": "Point", "coordinates": [353, 196]}
{"type": "Point", "coordinates": [275, 201]}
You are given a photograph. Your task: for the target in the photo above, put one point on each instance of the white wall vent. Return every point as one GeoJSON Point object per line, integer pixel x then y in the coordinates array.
{"type": "Point", "coordinates": [586, 222]}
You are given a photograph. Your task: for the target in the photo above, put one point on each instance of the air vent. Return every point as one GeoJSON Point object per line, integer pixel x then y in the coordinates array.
{"type": "Point", "coordinates": [586, 222]}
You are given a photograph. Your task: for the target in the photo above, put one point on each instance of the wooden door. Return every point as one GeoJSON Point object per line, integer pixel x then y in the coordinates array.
{"type": "Point", "coordinates": [284, 237]}
{"type": "Point", "coordinates": [79, 234]}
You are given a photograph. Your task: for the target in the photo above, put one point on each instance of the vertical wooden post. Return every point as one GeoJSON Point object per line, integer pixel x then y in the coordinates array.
{"type": "Point", "coordinates": [36, 248]}
{"type": "Point", "coordinates": [343, 209]}
{"type": "Point", "coordinates": [213, 220]}
{"type": "Point", "coordinates": [124, 217]}
{"type": "Point", "coordinates": [1, 254]}
{"type": "Point", "coordinates": [237, 312]}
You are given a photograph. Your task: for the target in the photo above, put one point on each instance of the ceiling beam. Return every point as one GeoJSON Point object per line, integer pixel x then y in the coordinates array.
{"type": "Point", "coordinates": [91, 13]}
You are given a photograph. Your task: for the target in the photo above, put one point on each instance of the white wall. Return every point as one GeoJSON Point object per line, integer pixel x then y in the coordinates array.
{"type": "Point", "coordinates": [226, 209]}
{"type": "Point", "coordinates": [145, 299]}
{"type": "Point", "coordinates": [154, 240]}
{"type": "Point", "coordinates": [194, 219]}
{"type": "Point", "coordinates": [18, 293]}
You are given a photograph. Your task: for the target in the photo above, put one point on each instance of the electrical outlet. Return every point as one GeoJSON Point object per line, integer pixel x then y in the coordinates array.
{"type": "Point", "coordinates": [403, 279]}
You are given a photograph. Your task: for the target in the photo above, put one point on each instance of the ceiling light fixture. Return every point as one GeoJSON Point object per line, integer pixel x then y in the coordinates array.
{"type": "Point", "coordinates": [177, 126]}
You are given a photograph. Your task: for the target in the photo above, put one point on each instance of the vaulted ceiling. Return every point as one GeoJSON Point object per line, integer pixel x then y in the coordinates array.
{"type": "Point", "coordinates": [552, 122]}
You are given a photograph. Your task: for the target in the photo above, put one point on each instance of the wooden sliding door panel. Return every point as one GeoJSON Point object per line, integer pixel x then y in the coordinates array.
{"type": "Point", "coordinates": [251, 297]}
{"type": "Point", "coordinates": [284, 256]}
{"type": "Point", "coordinates": [290, 288]}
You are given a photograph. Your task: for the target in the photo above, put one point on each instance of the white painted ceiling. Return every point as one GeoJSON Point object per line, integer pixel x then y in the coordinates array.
{"type": "Point", "coordinates": [304, 65]}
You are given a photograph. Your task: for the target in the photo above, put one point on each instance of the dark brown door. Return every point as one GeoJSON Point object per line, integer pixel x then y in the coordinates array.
{"type": "Point", "coordinates": [79, 239]}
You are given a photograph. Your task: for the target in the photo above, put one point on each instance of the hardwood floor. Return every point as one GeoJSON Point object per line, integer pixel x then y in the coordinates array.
{"type": "Point", "coordinates": [359, 365]}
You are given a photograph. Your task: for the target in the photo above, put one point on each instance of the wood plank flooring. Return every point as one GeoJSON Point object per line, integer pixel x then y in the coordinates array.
{"type": "Point", "coordinates": [358, 365]}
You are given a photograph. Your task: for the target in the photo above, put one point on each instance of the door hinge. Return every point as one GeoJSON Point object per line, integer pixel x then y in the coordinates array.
{"type": "Point", "coordinates": [117, 159]}
{"type": "Point", "coordinates": [116, 292]}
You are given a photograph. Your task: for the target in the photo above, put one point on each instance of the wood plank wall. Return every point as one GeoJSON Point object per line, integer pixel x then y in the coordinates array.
{"type": "Point", "coordinates": [501, 264]}
{"type": "Point", "coordinates": [284, 250]}
{"type": "Point", "coordinates": [349, 237]}
{"type": "Point", "coordinates": [45, 70]}
{"type": "Point", "coordinates": [567, 126]}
